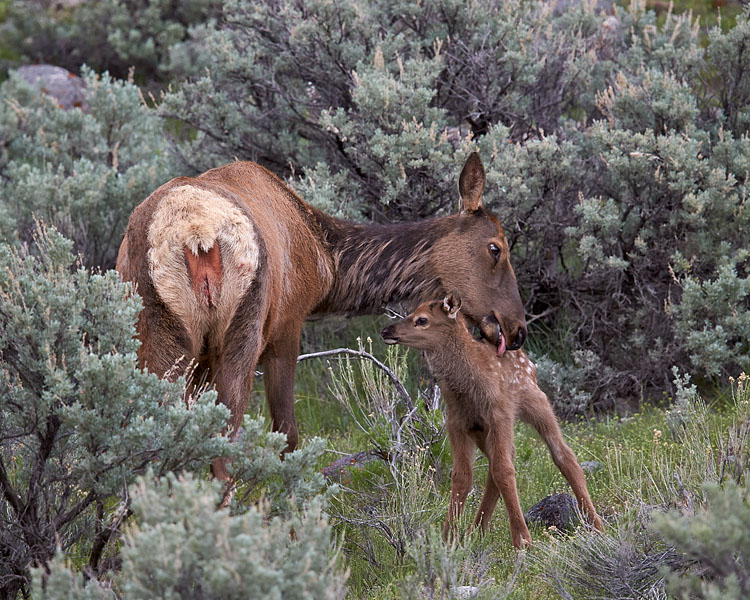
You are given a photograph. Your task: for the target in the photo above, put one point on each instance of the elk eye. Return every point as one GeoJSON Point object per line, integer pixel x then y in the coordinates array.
{"type": "Point", "coordinates": [421, 321]}
{"type": "Point", "coordinates": [494, 250]}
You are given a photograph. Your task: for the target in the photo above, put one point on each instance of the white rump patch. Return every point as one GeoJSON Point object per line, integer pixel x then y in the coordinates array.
{"type": "Point", "coordinates": [196, 218]}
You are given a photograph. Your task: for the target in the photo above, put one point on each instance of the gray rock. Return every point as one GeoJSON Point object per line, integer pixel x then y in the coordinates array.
{"type": "Point", "coordinates": [60, 84]}
{"type": "Point", "coordinates": [339, 469]}
{"type": "Point", "coordinates": [557, 510]}
{"type": "Point", "coordinates": [591, 466]}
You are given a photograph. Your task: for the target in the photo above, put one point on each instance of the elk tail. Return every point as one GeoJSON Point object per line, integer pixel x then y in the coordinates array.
{"type": "Point", "coordinates": [205, 272]}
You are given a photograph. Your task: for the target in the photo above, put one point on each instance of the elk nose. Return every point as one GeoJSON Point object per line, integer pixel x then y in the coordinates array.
{"type": "Point", "coordinates": [519, 339]}
{"type": "Point", "coordinates": [386, 331]}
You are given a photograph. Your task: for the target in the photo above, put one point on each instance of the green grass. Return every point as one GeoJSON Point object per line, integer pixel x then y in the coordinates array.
{"type": "Point", "coordinates": [644, 467]}
{"type": "Point", "coordinates": [710, 12]}
{"type": "Point", "coordinates": [640, 463]}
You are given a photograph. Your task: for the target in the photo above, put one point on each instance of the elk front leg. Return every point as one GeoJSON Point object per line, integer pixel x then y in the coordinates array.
{"type": "Point", "coordinates": [537, 412]}
{"type": "Point", "coordinates": [279, 363]}
{"type": "Point", "coordinates": [501, 451]}
{"type": "Point", "coordinates": [461, 479]}
{"type": "Point", "coordinates": [491, 493]}
{"type": "Point", "coordinates": [488, 504]}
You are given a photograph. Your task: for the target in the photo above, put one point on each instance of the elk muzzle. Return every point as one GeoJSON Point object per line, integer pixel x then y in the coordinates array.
{"type": "Point", "coordinates": [389, 335]}
{"type": "Point", "coordinates": [492, 332]}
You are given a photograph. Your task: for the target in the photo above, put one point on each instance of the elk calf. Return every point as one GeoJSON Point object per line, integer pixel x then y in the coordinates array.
{"type": "Point", "coordinates": [485, 389]}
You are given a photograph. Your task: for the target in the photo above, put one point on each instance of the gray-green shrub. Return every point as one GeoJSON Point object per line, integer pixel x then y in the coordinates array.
{"type": "Point", "coordinates": [79, 420]}
{"type": "Point", "coordinates": [180, 547]}
{"type": "Point", "coordinates": [82, 171]}
{"type": "Point", "coordinates": [615, 147]}
{"type": "Point", "coordinates": [715, 542]}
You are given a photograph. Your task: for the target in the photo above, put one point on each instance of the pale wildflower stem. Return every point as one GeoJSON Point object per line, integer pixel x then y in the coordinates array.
{"type": "Point", "coordinates": [361, 353]}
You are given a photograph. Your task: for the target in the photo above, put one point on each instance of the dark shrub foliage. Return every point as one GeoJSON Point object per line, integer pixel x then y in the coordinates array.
{"type": "Point", "coordinates": [616, 152]}
{"type": "Point", "coordinates": [106, 35]}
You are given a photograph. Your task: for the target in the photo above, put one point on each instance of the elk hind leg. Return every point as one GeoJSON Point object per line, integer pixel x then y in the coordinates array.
{"type": "Point", "coordinates": [279, 365]}
{"type": "Point", "coordinates": [233, 366]}
{"type": "Point", "coordinates": [537, 412]}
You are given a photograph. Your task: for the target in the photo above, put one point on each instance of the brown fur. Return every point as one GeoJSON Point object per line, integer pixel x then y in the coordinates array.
{"type": "Point", "coordinates": [484, 394]}
{"type": "Point", "coordinates": [230, 264]}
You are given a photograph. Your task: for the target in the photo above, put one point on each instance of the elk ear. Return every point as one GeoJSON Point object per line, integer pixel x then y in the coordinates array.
{"type": "Point", "coordinates": [471, 183]}
{"type": "Point", "coordinates": [451, 305]}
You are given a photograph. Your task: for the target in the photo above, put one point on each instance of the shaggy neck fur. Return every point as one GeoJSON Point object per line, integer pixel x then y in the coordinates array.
{"type": "Point", "coordinates": [459, 365]}
{"type": "Point", "coordinates": [375, 265]}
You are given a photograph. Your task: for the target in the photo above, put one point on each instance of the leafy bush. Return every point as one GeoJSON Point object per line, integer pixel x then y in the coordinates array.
{"type": "Point", "coordinates": [82, 171]}
{"type": "Point", "coordinates": [716, 540]}
{"type": "Point", "coordinates": [79, 420]}
{"type": "Point", "coordinates": [111, 35]}
{"type": "Point", "coordinates": [182, 547]}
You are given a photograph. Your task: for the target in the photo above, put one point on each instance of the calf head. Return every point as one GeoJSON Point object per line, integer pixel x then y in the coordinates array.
{"type": "Point", "coordinates": [472, 259]}
{"type": "Point", "coordinates": [427, 327]}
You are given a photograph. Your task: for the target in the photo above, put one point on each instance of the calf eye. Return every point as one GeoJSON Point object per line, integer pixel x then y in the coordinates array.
{"type": "Point", "coordinates": [421, 321]}
{"type": "Point", "coordinates": [494, 250]}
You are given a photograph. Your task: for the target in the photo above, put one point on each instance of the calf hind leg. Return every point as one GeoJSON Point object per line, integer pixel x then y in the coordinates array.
{"type": "Point", "coordinates": [488, 504]}
{"type": "Point", "coordinates": [537, 412]}
{"type": "Point", "coordinates": [279, 364]}
{"type": "Point", "coordinates": [234, 367]}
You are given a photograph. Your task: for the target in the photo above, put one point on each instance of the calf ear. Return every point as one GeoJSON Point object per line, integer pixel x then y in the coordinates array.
{"type": "Point", "coordinates": [451, 305]}
{"type": "Point", "coordinates": [471, 183]}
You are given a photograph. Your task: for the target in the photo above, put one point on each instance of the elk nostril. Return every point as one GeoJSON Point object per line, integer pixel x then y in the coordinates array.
{"type": "Point", "coordinates": [388, 332]}
{"type": "Point", "coordinates": [518, 340]}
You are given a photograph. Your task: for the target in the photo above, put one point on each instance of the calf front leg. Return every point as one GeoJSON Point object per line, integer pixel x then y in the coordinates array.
{"type": "Point", "coordinates": [500, 451]}
{"type": "Point", "coordinates": [461, 479]}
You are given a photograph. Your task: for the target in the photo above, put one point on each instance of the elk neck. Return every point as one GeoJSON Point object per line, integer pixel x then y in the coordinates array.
{"type": "Point", "coordinates": [375, 265]}
{"type": "Point", "coordinates": [463, 364]}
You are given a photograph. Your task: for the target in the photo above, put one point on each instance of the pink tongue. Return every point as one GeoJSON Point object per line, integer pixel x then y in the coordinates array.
{"type": "Point", "coordinates": [501, 345]}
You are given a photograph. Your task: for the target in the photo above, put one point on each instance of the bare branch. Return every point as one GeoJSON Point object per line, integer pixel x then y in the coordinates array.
{"type": "Point", "coordinates": [363, 354]}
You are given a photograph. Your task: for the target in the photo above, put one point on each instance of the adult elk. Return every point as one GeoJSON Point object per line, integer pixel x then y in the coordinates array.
{"type": "Point", "coordinates": [484, 390]}
{"type": "Point", "coordinates": [230, 263]}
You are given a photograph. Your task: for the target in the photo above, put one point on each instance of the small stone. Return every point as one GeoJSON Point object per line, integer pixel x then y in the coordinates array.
{"type": "Point", "coordinates": [557, 510]}
{"type": "Point", "coordinates": [465, 591]}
